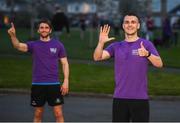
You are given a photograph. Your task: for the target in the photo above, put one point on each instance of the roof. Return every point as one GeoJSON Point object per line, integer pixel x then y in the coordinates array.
{"type": "Point", "coordinates": [175, 9]}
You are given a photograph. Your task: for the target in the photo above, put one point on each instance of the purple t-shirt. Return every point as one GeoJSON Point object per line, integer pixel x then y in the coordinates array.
{"type": "Point", "coordinates": [130, 68]}
{"type": "Point", "coordinates": [46, 56]}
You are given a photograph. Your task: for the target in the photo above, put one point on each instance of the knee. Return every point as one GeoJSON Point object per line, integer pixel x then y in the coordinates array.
{"type": "Point", "coordinates": [58, 114]}
{"type": "Point", "coordinates": [38, 114]}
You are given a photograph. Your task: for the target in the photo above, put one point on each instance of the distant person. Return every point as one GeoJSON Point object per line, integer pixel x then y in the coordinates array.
{"type": "Point", "coordinates": [166, 32]}
{"type": "Point", "coordinates": [175, 29]}
{"type": "Point", "coordinates": [46, 86]}
{"type": "Point", "coordinates": [144, 30]}
{"type": "Point", "coordinates": [1, 20]}
{"type": "Point", "coordinates": [150, 28]}
{"type": "Point", "coordinates": [82, 25]}
{"type": "Point", "coordinates": [116, 25]}
{"type": "Point", "coordinates": [95, 22]}
{"type": "Point", "coordinates": [132, 55]}
{"type": "Point", "coordinates": [59, 21]}
{"type": "Point", "coordinates": [104, 20]}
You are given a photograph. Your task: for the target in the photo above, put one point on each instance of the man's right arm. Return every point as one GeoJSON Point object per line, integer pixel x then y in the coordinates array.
{"type": "Point", "coordinates": [99, 53]}
{"type": "Point", "coordinates": [16, 43]}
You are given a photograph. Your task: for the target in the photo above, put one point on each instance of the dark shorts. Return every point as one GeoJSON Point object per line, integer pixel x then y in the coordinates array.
{"type": "Point", "coordinates": [42, 93]}
{"type": "Point", "coordinates": [135, 110]}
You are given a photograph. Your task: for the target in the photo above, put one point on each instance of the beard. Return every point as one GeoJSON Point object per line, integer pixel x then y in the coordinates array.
{"type": "Point", "coordinates": [44, 36]}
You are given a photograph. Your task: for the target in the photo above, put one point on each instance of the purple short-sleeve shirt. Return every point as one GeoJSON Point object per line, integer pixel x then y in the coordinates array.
{"type": "Point", "coordinates": [130, 68]}
{"type": "Point", "coordinates": [46, 56]}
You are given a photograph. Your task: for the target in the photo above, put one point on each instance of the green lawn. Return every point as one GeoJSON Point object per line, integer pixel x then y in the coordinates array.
{"type": "Point", "coordinates": [83, 49]}
{"type": "Point", "coordinates": [15, 72]}
{"type": "Point", "coordinates": [170, 56]}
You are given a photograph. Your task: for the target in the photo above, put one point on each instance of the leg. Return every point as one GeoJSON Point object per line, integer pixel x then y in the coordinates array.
{"type": "Point", "coordinates": [55, 99]}
{"type": "Point", "coordinates": [139, 110]}
{"type": "Point", "coordinates": [148, 35]}
{"type": "Point", "coordinates": [38, 114]}
{"type": "Point", "coordinates": [37, 101]}
{"type": "Point", "coordinates": [120, 111]}
{"type": "Point", "coordinates": [58, 113]}
{"type": "Point", "coordinates": [176, 38]}
{"type": "Point", "coordinates": [82, 34]}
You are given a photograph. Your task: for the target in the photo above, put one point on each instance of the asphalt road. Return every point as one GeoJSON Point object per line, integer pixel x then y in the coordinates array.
{"type": "Point", "coordinates": [16, 108]}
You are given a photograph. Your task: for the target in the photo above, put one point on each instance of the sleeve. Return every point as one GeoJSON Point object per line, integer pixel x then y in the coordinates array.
{"type": "Point", "coordinates": [151, 48]}
{"type": "Point", "coordinates": [62, 51]}
{"type": "Point", "coordinates": [110, 49]}
{"type": "Point", "coordinates": [30, 46]}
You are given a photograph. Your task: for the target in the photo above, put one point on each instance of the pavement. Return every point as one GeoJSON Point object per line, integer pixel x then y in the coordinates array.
{"type": "Point", "coordinates": [15, 107]}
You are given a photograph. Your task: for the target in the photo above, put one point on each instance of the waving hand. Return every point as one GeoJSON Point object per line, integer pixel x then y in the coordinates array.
{"type": "Point", "coordinates": [104, 32]}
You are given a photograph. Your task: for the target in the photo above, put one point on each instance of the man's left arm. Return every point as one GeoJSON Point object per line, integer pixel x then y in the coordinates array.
{"type": "Point", "coordinates": [65, 68]}
{"type": "Point", "coordinates": [155, 60]}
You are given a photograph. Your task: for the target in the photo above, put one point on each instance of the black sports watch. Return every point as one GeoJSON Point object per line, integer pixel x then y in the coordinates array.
{"type": "Point", "coordinates": [149, 54]}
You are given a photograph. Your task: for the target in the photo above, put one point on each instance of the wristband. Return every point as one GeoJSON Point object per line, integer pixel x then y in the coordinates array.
{"type": "Point", "coordinates": [149, 54]}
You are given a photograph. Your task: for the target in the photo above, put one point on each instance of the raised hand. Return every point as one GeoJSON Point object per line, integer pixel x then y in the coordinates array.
{"type": "Point", "coordinates": [104, 32]}
{"type": "Point", "coordinates": [12, 30]}
{"type": "Point", "coordinates": [142, 51]}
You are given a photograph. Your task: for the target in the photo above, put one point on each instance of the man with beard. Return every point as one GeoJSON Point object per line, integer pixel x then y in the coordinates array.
{"type": "Point", "coordinates": [46, 54]}
{"type": "Point", "coordinates": [130, 99]}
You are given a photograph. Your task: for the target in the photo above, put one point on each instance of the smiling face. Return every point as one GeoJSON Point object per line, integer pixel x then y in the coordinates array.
{"type": "Point", "coordinates": [44, 30]}
{"type": "Point", "coordinates": [131, 25]}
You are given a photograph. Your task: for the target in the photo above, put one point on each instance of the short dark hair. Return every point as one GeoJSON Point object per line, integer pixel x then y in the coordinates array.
{"type": "Point", "coordinates": [46, 21]}
{"type": "Point", "coordinates": [132, 14]}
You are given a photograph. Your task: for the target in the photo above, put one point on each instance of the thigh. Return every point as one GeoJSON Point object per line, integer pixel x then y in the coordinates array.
{"type": "Point", "coordinates": [139, 110]}
{"type": "Point", "coordinates": [54, 96]}
{"type": "Point", "coordinates": [38, 95]}
{"type": "Point", "coordinates": [120, 111]}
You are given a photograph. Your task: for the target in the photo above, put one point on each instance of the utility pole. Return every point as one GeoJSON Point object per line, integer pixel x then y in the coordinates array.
{"type": "Point", "coordinates": [12, 4]}
{"type": "Point", "coordinates": [163, 9]}
{"type": "Point", "coordinates": [91, 28]}
{"type": "Point", "coordinates": [32, 18]}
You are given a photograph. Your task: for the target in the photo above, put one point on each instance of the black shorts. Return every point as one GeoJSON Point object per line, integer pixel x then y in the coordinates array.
{"type": "Point", "coordinates": [42, 93]}
{"type": "Point", "coordinates": [135, 110]}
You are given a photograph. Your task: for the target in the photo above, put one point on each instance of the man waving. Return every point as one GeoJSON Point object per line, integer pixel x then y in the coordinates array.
{"type": "Point", "coordinates": [131, 56]}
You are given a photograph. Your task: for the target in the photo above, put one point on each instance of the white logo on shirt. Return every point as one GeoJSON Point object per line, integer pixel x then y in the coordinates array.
{"type": "Point", "coordinates": [135, 52]}
{"type": "Point", "coordinates": [53, 50]}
